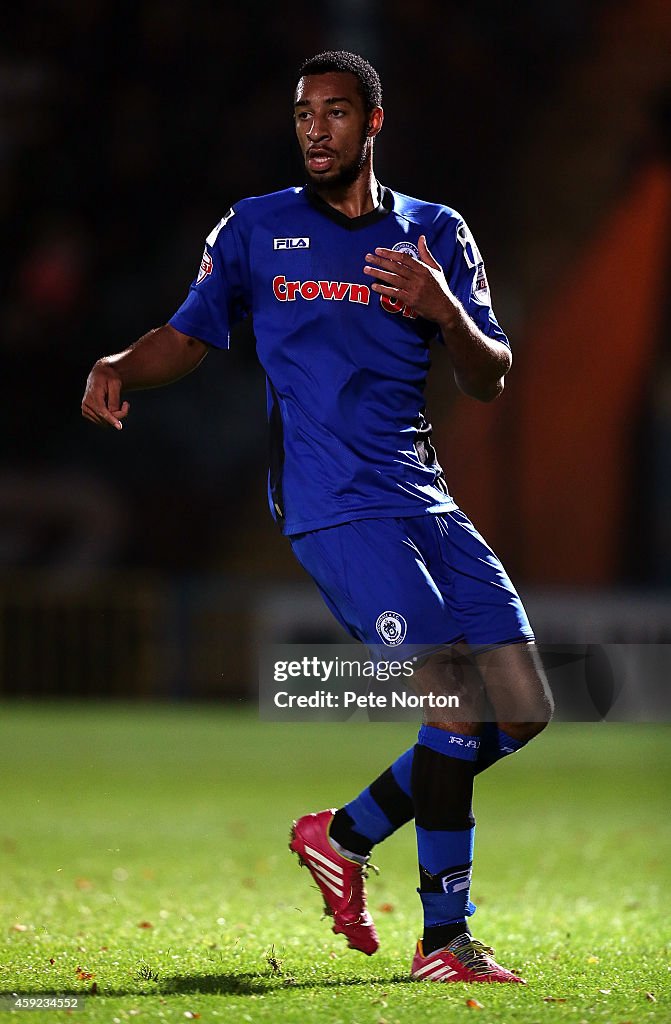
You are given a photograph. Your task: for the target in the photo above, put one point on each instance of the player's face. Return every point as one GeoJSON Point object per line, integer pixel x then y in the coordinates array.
{"type": "Point", "coordinates": [334, 132]}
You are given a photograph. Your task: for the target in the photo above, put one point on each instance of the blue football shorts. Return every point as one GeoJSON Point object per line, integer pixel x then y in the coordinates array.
{"type": "Point", "coordinates": [418, 583]}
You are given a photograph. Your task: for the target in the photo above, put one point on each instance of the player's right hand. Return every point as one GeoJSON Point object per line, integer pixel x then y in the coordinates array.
{"type": "Point", "coordinates": [102, 397]}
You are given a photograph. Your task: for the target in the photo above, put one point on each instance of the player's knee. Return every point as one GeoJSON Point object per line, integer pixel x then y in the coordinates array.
{"type": "Point", "coordinates": [536, 720]}
{"type": "Point", "coordinates": [538, 710]}
{"type": "Point", "coordinates": [523, 731]}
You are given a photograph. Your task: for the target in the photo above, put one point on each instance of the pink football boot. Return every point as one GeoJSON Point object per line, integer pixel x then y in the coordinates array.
{"type": "Point", "coordinates": [464, 959]}
{"type": "Point", "coordinates": [340, 880]}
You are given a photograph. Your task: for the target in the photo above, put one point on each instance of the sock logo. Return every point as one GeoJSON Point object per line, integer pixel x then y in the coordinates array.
{"type": "Point", "coordinates": [392, 628]}
{"type": "Point", "coordinates": [450, 881]}
{"type": "Point", "coordinates": [456, 881]}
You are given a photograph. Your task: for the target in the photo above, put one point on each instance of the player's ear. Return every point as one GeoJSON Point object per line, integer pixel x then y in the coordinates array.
{"type": "Point", "coordinates": [375, 119]}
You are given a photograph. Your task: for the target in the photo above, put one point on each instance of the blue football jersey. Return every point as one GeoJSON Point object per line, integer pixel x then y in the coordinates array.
{"type": "Point", "coordinates": [345, 367]}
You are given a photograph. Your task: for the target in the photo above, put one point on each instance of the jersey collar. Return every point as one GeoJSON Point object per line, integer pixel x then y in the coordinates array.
{"type": "Point", "coordinates": [384, 207]}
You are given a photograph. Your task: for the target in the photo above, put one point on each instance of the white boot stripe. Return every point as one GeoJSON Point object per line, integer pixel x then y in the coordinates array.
{"type": "Point", "coordinates": [314, 866]}
{"type": "Point", "coordinates": [444, 972]}
{"type": "Point", "coordinates": [427, 967]}
{"type": "Point", "coordinates": [437, 972]}
{"type": "Point", "coordinates": [327, 882]}
{"type": "Point", "coordinates": [320, 856]}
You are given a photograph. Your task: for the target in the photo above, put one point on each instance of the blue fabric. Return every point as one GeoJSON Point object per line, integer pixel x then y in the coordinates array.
{"type": "Point", "coordinates": [407, 586]}
{"type": "Point", "coordinates": [448, 855]}
{"type": "Point", "coordinates": [402, 770]}
{"type": "Point", "coordinates": [368, 818]}
{"type": "Point", "coordinates": [440, 909]}
{"type": "Point", "coordinates": [451, 744]}
{"type": "Point", "coordinates": [440, 851]}
{"type": "Point", "coordinates": [495, 744]}
{"type": "Point", "coordinates": [345, 367]}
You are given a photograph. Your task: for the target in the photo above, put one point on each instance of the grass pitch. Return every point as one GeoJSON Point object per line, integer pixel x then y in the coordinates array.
{"type": "Point", "coordinates": [143, 855]}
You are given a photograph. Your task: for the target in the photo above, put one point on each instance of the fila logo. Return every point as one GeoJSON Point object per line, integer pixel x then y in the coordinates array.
{"type": "Point", "coordinates": [291, 243]}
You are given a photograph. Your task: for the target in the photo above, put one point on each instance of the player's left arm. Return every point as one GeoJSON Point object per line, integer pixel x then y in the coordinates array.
{"type": "Point", "coordinates": [480, 362]}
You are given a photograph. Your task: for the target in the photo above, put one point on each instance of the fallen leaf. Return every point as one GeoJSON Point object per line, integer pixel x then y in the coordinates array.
{"type": "Point", "coordinates": [592, 959]}
{"type": "Point", "coordinates": [554, 999]}
{"type": "Point", "coordinates": [94, 989]}
{"type": "Point", "coordinates": [473, 1004]}
{"type": "Point", "coordinates": [84, 975]}
{"type": "Point", "coordinates": [52, 961]}
{"type": "Point", "coordinates": [145, 924]}
{"type": "Point", "coordinates": [650, 997]}
{"type": "Point", "coordinates": [386, 908]}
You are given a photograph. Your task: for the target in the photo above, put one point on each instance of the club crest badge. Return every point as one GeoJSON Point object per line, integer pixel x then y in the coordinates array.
{"type": "Point", "coordinates": [408, 247]}
{"type": "Point", "coordinates": [391, 627]}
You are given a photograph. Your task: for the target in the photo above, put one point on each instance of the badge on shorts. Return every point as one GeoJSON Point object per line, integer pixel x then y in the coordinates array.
{"type": "Point", "coordinates": [391, 627]}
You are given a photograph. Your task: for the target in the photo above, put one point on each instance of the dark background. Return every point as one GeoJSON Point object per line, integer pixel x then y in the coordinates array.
{"type": "Point", "coordinates": [127, 130]}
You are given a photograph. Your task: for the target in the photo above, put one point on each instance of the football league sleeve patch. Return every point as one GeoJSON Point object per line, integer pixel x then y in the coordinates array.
{"type": "Point", "coordinates": [218, 297]}
{"type": "Point", "coordinates": [467, 278]}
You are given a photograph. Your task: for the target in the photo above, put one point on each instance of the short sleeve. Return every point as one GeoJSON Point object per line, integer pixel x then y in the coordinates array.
{"type": "Point", "coordinates": [464, 269]}
{"type": "Point", "coordinates": [219, 297]}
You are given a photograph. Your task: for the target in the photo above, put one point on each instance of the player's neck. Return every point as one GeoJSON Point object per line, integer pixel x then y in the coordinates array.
{"type": "Point", "coordinates": [357, 198]}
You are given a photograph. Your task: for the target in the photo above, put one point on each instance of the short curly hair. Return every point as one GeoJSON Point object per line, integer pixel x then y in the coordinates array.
{"type": "Point", "coordinates": [370, 86]}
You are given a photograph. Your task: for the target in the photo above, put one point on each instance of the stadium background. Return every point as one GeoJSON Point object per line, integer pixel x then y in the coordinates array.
{"type": "Point", "coordinates": [146, 564]}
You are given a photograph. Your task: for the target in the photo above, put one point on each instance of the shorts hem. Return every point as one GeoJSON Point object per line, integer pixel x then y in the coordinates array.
{"type": "Point", "coordinates": [313, 525]}
{"type": "Point", "coordinates": [476, 649]}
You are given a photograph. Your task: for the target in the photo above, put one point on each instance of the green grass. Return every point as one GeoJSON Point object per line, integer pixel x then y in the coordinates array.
{"type": "Point", "coordinates": [178, 818]}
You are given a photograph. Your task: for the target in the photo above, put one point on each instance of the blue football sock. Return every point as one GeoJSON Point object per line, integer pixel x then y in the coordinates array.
{"type": "Point", "coordinates": [495, 744]}
{"type": "Point", "coordinates": [386, 804]}
{"type": "Point", "coordinates": [442, 786]}
{"type": "Point", "coordinates": [378, 811]}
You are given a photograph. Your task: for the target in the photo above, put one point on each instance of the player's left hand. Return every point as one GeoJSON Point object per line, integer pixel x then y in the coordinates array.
{"type": "Point", "coordinates": [419, 284]}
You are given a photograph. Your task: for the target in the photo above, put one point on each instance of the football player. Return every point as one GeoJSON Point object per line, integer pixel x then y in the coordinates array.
{"type": "Point", "coordinates": [349, 282]}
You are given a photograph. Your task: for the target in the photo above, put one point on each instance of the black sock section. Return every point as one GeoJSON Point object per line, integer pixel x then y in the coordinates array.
{"type": "Point", "coordinates": [442, 934]}
{"type": "Point", "coordinates": [442, 790]}
{"type": "Point", "coordinates": [341, 830]}
{"type": "Point", "coordinates": [390, 798]}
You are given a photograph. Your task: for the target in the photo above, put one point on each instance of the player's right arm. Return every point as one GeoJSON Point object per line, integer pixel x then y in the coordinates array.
{"type": "Point", "coordinates": [159, 357]}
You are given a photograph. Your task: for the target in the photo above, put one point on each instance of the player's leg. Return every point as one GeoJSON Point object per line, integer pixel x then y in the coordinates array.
{"type": "Point", "coordinates": [386, 804]}
{"type": "Point", "coordinates": [363, 570]}
{"type": "Point", "coordinates": [444, 767]}
{"type": "Point", "coordinates": [443, 770]}
{"type": "Point", "coordinates": [501, 669]}
{"type": "Point", "coordinates": [518, 693]}
{"type": "Point", "coordinates": [379, 810]}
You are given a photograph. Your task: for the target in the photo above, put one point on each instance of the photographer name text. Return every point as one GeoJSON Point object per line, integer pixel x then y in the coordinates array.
{"type": "Point", "coordinates": [350, 699]}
